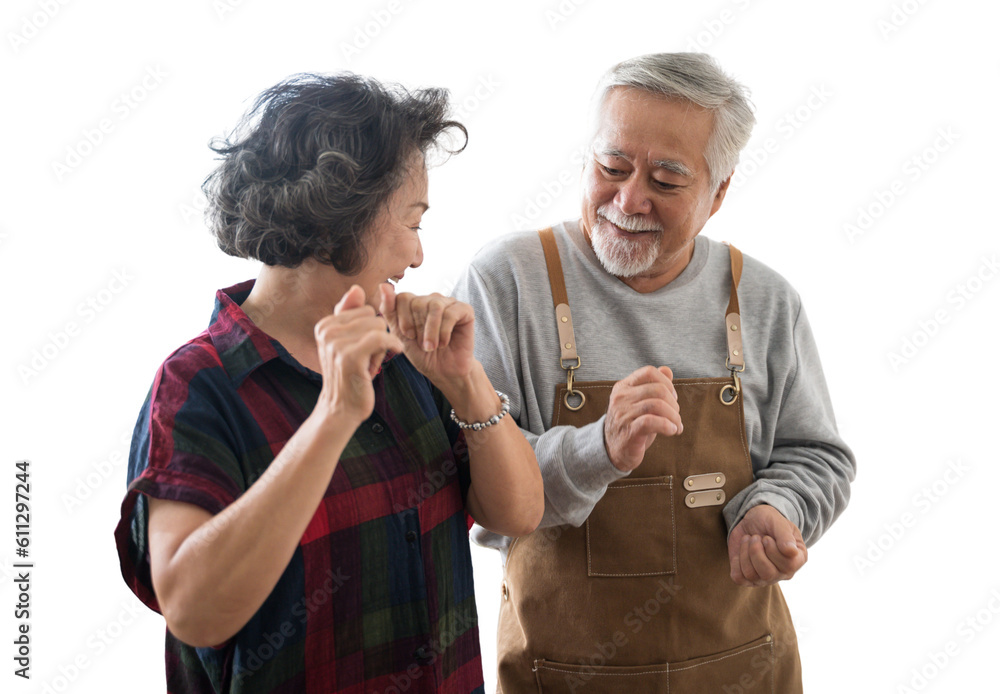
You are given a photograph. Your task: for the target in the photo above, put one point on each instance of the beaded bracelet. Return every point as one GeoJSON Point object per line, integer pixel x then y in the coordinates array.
{"type": "Point", "coordinates": [478, 426]}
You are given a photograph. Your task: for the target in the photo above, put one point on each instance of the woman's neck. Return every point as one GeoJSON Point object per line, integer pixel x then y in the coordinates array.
{"type": "Point", "coordinates": [286, 303]}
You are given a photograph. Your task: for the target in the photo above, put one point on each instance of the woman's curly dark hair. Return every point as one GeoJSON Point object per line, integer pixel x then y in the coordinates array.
{"type": "Point", "coordinates": [312, 164]}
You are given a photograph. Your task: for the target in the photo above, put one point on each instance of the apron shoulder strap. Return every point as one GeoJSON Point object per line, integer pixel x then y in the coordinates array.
{"type": "Point", "coordinates": [568, 356]}
{"type": "Point", "coordinates": [734, 328]}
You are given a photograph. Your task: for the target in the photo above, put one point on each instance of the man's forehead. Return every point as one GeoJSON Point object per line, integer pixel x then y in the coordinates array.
{"type": "Point", "coordinates": [668, 133]}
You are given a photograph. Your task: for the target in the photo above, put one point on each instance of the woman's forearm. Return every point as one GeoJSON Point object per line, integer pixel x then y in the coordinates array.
{"type": "Point", "coordinates": [212, 574]}
{"type": "Point", "coordinates": [506, 494]}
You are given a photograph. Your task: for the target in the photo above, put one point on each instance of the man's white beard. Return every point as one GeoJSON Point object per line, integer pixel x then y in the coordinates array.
{"type": "Point", "coordinates": [623, 257]}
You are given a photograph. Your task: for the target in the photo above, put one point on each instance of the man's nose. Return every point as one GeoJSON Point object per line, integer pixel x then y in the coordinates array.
{"type": "Point", "coordinates": [633, 198]}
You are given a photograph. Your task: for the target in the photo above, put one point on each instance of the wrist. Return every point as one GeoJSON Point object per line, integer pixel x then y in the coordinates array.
{"type": "Point", "coordinates": [337, 415]}
{"type": "Point", "coordinates": [473, 396]}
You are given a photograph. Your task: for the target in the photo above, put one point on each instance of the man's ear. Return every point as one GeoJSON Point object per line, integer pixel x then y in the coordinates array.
{"type": "Point", "coordinates": [720, 195]}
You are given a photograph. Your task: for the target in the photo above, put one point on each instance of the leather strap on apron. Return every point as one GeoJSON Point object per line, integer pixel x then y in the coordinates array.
{"type": "Point", "coordinates": [639, 598]}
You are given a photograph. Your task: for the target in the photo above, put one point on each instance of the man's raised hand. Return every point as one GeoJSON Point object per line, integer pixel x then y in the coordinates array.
{"type": "Point", "coordinates": [643, 405]}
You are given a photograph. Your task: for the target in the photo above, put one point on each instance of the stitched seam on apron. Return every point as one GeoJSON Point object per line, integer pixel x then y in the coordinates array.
{"type": "Point", "coordinates": [605, 674]}
{"type": "Point", "coordinates": [730, 655]}
{"type": "Point", "coordinates": [771, 669]}
{"type": "Point", "coordinates": [646, 484]}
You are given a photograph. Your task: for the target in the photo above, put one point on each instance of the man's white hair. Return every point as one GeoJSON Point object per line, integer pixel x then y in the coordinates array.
{"type": "Point", "coordinates": [694, 77]}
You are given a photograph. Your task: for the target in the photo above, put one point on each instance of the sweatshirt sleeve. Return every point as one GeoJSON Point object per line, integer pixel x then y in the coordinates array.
{"type": "Point", "coordinates": [574, 463]}
{"type": "Point", "coordinates": [809, 470]}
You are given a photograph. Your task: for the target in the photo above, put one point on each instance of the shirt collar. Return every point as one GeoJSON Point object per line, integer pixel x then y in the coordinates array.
{"type": "Point", "coordinates": [241, 345]}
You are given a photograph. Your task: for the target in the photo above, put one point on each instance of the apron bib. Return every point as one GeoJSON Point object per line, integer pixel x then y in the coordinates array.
{"type": "Point", "coordinates": [639, 598]}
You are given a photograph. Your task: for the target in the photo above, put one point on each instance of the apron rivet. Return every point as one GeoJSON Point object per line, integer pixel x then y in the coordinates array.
{"type": "Point", "coordinates": [718, 497]}
{"type": "Point", "coordinates": [731, 327]}
{"type": "Point", "coordinates": [564, 319]}
{"type": "Point", "coordinates": [569, 345]}
{"type": "Point", "coordinates": [736, 353]}
{"type": "Point", "coordinates": [692, 499]}
{"type": "Point", "coordinates": [691, 483]}
{"type": "Point", "coordinates": [768, 638]}
{"type": "Point", "coordinates": [718, 480]}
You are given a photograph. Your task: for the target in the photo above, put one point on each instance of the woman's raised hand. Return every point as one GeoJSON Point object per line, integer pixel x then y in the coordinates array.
{"type": "Point", "coordinates": [436, 333]}
{"type": "Point", "coordinates": [352, 342]}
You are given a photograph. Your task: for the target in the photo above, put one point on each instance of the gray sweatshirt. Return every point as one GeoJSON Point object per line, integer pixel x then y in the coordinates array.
{"type": "Point", "coordinates": [802, 467]}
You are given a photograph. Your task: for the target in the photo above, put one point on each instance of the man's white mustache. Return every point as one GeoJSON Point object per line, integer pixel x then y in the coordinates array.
{"type": "Point", "coordinates": [619, 220]}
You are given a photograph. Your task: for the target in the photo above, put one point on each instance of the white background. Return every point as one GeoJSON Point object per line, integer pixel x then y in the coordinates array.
{"type": "Point", "coordinates": [893, 75]}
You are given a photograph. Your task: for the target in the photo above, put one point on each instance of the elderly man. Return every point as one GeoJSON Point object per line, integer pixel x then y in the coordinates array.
{"type": "Point", "coordinates": [691, 454]}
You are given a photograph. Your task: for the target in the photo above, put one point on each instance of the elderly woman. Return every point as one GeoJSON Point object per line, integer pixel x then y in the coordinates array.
{"type": "Point", "coordinates": [301, 472]}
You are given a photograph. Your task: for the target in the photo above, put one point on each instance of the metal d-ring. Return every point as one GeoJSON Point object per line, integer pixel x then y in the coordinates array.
{"type": "Point", "coordinates": [570, 391]}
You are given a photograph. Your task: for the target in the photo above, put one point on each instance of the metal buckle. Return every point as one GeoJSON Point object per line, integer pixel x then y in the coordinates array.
{"type": "Point", "coordinates": [569, 388]}
{"type": "Point", "coordinates": [734, 388]}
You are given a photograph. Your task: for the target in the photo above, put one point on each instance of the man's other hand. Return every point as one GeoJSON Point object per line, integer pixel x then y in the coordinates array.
{"type": "Point", "coordinates": [764, 548]}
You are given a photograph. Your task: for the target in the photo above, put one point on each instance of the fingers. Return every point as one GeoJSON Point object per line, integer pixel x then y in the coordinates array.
{"type": "Point", "coordinates": [758, 562]}
{"type": "Point", "coordinates": [354, 298]}
{"type": "Point", "coordinates": [387, 303]}
{"type": "Point", "coordinates": [642, 406]}
{"type": "Point", "coordinates": [429, 320]}
{"type": "Point", "coordinates": [765, 547]}
{"type": "Point", "coordinates": [747, 567]}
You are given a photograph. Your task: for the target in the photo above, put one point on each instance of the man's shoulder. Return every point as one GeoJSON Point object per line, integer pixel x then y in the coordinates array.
{"type": "Point", "coordinates": [509, 249]}
{"type": "Point", "coordinates": [762, 281]}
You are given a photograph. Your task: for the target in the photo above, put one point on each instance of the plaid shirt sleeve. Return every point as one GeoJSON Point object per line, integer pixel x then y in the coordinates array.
{"type": "Point", "coordinates": [182, 450]}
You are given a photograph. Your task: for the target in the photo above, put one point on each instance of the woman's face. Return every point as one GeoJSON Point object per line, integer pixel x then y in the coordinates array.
{"type": "Point", "coordinates": [394, 244]}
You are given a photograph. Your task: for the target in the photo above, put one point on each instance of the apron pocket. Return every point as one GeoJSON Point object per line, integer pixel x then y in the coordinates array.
{"type": "Point", "coordinates": [746, 668]}
{"type": "Point", "coordinates": [631, 532]}
{"type": "Point", "coordinates": [560, 678]}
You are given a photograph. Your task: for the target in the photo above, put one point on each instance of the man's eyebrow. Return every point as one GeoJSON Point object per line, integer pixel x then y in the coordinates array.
{"type": "Point", "coordinates": [612, 152]}
{"type": "Point", "coordinates": [674, 166]}
{"type": "Point", "coordinates": [671, 165]}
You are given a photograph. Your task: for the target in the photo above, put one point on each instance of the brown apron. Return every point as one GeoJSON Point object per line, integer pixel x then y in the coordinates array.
{"type": "Point", "coordinates": [639, 599]}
